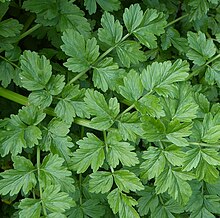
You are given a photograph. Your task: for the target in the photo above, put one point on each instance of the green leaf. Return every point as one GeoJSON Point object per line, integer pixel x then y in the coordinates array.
{"type": "Point", "coordinates": [212, 134]}
{"type": "Point", "coordinates": [111, 5]}
{"type": "Point", "coordinates": [7, 73]}
{"type": "Point", "coordinates": [120, 151]}
{"type": "Point", "coordinates": [159, 77]}
{"type": "Point", "coordinates": [104, 113]}
{"type": "Point", "coordinates": [55, 84]}
{"type": "Point", "coordinates": [168, 210]}
{"type": "Point", "coordinates": [90, 208]}
{"type": "Point", "coordinates": [90, 152]}
{"type": "Point", "coordinates": [58, 127]}
{"type": "Point", "coordinates": [154, 129]}
{"type": "Point", "coordinates": [213, 188]}
{"type": "Point", "coordinates": [71, 104]}
{"type": "Point", "coordinates": [198, 9]}
{"type": "Point", "coordinates": [150, 104]}
{"type": "Point", "coordinates": [52, 172]}
{"type": "Point", "coordinates": [41, 98]}
{"type": "Point", "coordinates": [176, 132]}
{"type": "Point", "coordinates": [202, 205]}
{"type": "Point", "coordinates": [36, 71]}
{"type": "Point", "coordinates": [20, 131]}
{"type": "Point", "coordinates": [47, 11]}
{"type": "Point", "coordinates": [202, 213]}
{"type": "Point", "coordinates": [153, 164]}
{"type": "Point", "coordinates": [21, 177]}
{"type": "Point", "coordinates": [12, 140]}
{"type": "Point", "coordinates": [112, 30]}
{"type": "Point", "coordinates": [148, 201]}
{"type": "Point", "coordinates": [31, 115]}
{"type": "Point", "coordinates": [144, 26]}
{"type": "Point", "coordinates": [56, 215]}
{"type": "Point", "coordinates": [211, 128]}
{"type": "Point", "coordinates": [172, 37]}
{"type": "Point", "coordinates": [152, 25]}
{"type": "Point", "coordinates": [122, 204]}
{"type": "Point", "coordinates": [174, 181]}
{"type": "Point", "coordinates": [203, 103]}
{"type": "Point", "coordinates": [207, 172]}
{"type": "Point", "coordinates": [82, 52]}
{"type": "Point", "coordinates": [212, 74]}
{"type": "Point", "coordinates": [71, 17]}
{"type": "Point", "coordinates": [90, 6]}
{"type": "Point", "coordinates": [62, 14]}
{"type": "Point", "coordinates": [174, 155]}
{"type": "Point", "coordinates": [107, 75]}
{"type": "Point", "coordinates": [129, 53]}
{"type": "Point", "coordinates": [100, 181]}
{"type": "Point", "coordinates": [201, 49]}
{"type": "Point", "coordinates": [132, 88]}
{"type": "Point", "coordinates": [205, 161]}
{"type": "Point", "coordinates": [55, 200]}
{"type": "Point", "coordinates": [30, 208]}
{"type": "Point", "coordinates": [132, 17]}
{"type": "Point", "coordinates": [211, 202]}
{"type": "Point", "coordinates": [183, 106]}
{"type": "Point", "coordinates": [56, 140]}
{"type": "Point", "coordinates": [127, 181]}
{"type": "Point", "coordinates": [4, 7]}
{"type": "Point", "coordinates": [129, 126]}
{"type": "Point", "coordinates": [10, 27]}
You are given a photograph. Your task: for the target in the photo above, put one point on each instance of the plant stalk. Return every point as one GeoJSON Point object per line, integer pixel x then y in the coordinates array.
{"type": "Point", "coordinates": [106, 147]}
{"type": "Point", "coordinates": [13, 64]}
{"type": "Point", "coordinates": [28, 32]}
{"type": "Point", "coordinates": [13, 96]}
{"type": "Point", "coordinates": [99, 59]}
{"type": "Point", "coordinates": [175, 21]}
{"type": "Point", "coordinates": [204, 65]}
{"type": "Point", "coordinates": [40, 187]}
{"type": "Point", "coordinates": [20, 99]}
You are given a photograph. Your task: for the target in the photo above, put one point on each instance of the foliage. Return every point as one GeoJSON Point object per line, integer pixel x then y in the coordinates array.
{"type": "Point", "coordinates": [120, 114]}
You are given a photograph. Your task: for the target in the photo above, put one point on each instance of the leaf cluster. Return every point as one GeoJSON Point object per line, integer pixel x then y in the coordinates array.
{"type": "Point", "coordinates": [120, 112]}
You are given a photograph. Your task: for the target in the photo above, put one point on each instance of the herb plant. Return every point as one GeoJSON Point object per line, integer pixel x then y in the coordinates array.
{"type": "Point", "coordinates": [110, 108]}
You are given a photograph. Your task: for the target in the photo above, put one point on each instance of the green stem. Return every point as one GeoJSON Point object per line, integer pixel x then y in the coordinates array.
{"type": "Point", "coordinates": [99, 58]}
{"type": "Point", "coordinates": [161, 199]}
{"type": "Point", "coordinates": [80, 189]}
{"type": "Point", "coordinates": [33, 192]}
{"type": "Point", "coordinates": [13, 96]}
{"type": "Point", "coordinates": [110, 49]}
{"type": "Point", "coordinates": [125, 111]}
{"type": "Point", "coordinates": [204, 65]}
{"type": "Point", "coordinates": [28, 22]}
{"type": "Point", "coordinates": [5, 59]}
{"type": "Point", "coordinates": [204, 144]}
{"type": "Point", "coordinates": [213, 59]}
{"type": "Point", "coordinates": [161, 145]}
{"type": "Point", "coordinates": [131, 106]}
{"type": "Point", "coordinates": [28, 32]}
{"type": "Point", "coordinates": [106, 147]}
{"type": "Point", "coordinates": [39, 181]}
{"type": "Point", "coordinates": [175, 21]}
{"type": "Point", "coordinates": [77, 77]}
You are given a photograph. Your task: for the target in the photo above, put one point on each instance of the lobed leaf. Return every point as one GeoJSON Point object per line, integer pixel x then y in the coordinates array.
{"type": "Point", "coordinates": [90, 152]}
{"type": "Point", "coordinates": [21, 177]}
{"type": "Point", "coordinates": [82, 52]}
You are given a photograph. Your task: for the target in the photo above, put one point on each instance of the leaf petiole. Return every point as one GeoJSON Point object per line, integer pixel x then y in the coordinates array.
{"type": "Point", "coordinates": [39, 181]}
